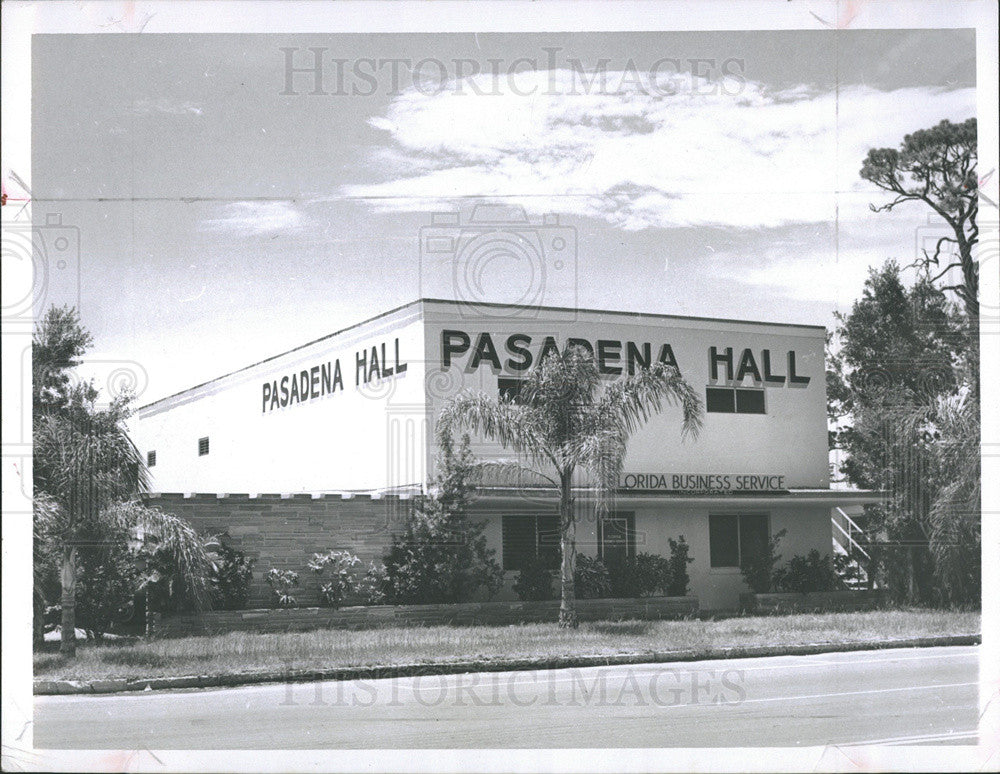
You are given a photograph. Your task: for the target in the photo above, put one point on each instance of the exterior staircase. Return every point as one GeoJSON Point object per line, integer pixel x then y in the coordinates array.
{"type": "Point", "coordinates": [848, 542]}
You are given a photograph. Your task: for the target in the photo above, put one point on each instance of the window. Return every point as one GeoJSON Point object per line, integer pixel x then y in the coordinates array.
{"type": "Point", "coordinates": [616, 539]}
{"type": "Point", "coordinates": [509, 389]}
{"type": "Point", "coordinates": [733, 538]}
{"type": "Point", "coordinates": [150, 459]}
{"type": "Point", "coordinates": [203, 446]}
{"type": "Point", "coordinates": [734, 400]}
{"type": "Point", "coordinates": [526, 537]}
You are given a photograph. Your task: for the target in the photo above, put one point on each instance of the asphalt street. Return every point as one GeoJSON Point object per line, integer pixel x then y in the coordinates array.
{"type": "Point", "coordinates": [904, 696]}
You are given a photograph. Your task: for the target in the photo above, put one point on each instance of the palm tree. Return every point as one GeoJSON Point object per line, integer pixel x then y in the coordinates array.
{"type": "Point", "coordinates": [564, 420]}
{"type": "Point", "coordinates": [88, 476]}
{"type": "Point", "coordinates": [84, 462]}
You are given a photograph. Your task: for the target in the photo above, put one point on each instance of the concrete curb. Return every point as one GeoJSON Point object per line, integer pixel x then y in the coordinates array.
{"type": "Point", "coordinates": [123, 685]}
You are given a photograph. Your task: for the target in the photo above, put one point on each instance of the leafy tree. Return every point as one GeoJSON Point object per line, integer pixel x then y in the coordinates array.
{"type": "Point", "coordinates": [565, 420]}
{"type": "Point", "coordinates": [937, 167]}
{"type": "Point", "coordinates": [900, 354]}
{"type": "Point", "coordinates": [57, 344]}
{"type": "Point", "coordinates": [441, 556]}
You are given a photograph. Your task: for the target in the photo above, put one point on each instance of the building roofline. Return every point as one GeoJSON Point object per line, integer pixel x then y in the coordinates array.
{"type": "Point", "coordinates": [654, 315]}
{"type": "Point", "coordinates": [452, 302]}
{"type": "Point", "coordinates": [280, 354]}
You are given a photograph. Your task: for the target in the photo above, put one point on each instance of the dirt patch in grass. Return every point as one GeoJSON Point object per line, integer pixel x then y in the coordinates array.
{"type": "Point", "coordinates": [328, 649]}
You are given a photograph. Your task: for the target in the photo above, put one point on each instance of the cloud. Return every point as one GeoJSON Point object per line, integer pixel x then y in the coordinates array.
{"type": "Point", "coordinates": [166, 105]}
{"type": "Point", "coordinates": [256, 217]}
{"type": "Point", "coordinates": [639, 158]}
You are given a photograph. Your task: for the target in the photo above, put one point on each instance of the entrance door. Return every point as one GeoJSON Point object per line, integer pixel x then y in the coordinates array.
{"type": "Point", "coordinates": [616, 540]}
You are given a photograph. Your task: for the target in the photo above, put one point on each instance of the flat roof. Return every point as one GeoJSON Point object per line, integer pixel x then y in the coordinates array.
{"type": "Point", "coordinates": [491, 305]}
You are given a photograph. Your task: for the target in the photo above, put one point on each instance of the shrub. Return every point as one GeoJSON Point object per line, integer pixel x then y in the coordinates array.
{"type": "Point", "coordinates": [803, 574]}
{"type": "Point", "coordinates": [641, 576]}
{"type": "Point", "coordinates": [534, 582]}
{"type": "Point", "coordinates": [372, 587]}
{"type": "Point", "coordinates": [758, 566]}
{"type": "Point", "coordinates": [591, 578]}
{"type": "Point", "coordinates": [282, 582]}
{"type": "Point", "coordinates": [441, 556]}
{"type": "Point", "coordinates": [341, 566]}
{"type": "Point", "coordinates": [105, 589]}
{"type": "Point", "coordinates": [231, 578]}
{"type": "Point", "coordinates": [679, 580]}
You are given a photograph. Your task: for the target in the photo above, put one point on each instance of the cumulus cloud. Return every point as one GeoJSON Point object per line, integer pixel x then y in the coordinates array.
{"type": "Point", "coordinates": [640, 158]}
{"type": "Point", "coordinates": [256, 217]}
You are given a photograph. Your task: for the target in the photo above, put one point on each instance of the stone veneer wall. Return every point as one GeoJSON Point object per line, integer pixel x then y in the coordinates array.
{"type": "Point", "coordinates": [283, 531]}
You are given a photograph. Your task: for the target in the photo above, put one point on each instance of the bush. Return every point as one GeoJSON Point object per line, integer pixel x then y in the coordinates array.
{"type": "Point", "coordinates": [641, 576]}
{"type": "Point", "coordinates": [231, 578]}
{"type": "Point", "coordinates": [341, 566]}
{"type": "Point", "coordinates": [105, 589]}
{"type": "Point", "coordinates": [534, 582]}
{"type": "Point", "coordinates": [282, 582]}
{"type": "Point", "coordinates": [808, 573]}
{"type": "Point", "coordinates": [441, 556]}
{"type": "Point", "coordinates": [590, 578]}
{"type": "Point", "coordinates": [677, 568]}
{"type": "Point", "coordinates": [373, 586]}
{"type": "Point", "coordinates": [758, 566]}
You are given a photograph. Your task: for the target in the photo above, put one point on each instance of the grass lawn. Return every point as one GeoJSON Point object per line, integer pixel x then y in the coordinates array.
{"type": "Point", "coordinates": [331, 648]}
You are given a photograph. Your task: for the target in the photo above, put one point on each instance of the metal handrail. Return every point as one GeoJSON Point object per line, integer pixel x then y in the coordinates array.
{"type": "Point", "coordinates": [850, 537]}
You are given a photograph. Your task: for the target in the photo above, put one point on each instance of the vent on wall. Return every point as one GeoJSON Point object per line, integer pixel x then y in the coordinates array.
{"type": "Point", "coordinates": [203, 446]}
{"type": "Point", "coordinates": [150, 459]}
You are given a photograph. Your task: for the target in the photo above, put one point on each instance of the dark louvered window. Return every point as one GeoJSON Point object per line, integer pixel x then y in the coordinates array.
{"type": "Point", "coordinates": [150, 459]}
{"type": "Point", "coordinates": [203, 446]}
{"type": "Point", "coordinates": [734, 539]}
{"type": "Point", "coordinates": [526, 537]}
{"type": "Point", "coordinates": [734, 400]}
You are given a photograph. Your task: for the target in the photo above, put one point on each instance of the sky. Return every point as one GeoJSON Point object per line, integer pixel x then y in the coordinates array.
{"type": "Point", "coordinates": [225, 214]}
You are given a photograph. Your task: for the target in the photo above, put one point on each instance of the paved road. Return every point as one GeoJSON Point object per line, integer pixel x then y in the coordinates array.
{"type": "Point", "coordinates": [887, 697]}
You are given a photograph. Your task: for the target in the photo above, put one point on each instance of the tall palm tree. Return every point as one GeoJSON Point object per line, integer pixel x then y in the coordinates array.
{"type": "Point", "coordinates": [563, 420]}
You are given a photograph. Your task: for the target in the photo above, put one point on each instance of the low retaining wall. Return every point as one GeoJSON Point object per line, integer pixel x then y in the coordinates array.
{"type": "Point", "coordinates": [810, 602]}
{"type": "Point", "coordinates": [467, 613]}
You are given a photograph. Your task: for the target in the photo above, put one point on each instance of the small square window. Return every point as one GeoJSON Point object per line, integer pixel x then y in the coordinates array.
{"type": "Point", "coordinates": [150, 459]}
{"type": "Point", "coordinates": [720, 400]}
{"type": "Point", "coordinates": [202, 446]}
{"type": "Point", "coordinates": [750, 402]}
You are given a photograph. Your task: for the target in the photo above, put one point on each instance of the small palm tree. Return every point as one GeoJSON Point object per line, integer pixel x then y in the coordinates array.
{"type": "Point", "coordinates": [88, 474]}
{"type": "Point", "coordinates": [563, 420]}
{"type": "Point", "coordinates": [83, 462]}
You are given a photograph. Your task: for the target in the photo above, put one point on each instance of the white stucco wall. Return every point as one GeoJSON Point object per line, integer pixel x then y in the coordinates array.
{"type": "Point", "coordinates": [362, 437]}
{"type": "Point", "coordinates": [789, 440]}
